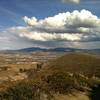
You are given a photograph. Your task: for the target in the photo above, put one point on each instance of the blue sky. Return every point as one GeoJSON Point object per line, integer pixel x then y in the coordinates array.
{"type": "Point", "coordinates": [13, 11]}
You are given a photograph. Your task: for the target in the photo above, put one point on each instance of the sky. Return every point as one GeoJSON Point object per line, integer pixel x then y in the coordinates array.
{"type": "Point", "coordinates": [49, 24]}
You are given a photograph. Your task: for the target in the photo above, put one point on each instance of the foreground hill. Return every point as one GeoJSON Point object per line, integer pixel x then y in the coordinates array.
{"type": "Point", "coordinates": [77, 63]}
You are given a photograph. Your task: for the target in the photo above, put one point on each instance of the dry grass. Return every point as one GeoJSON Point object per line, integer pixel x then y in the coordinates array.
{"type": "Point", "coordinates": [77, 63]}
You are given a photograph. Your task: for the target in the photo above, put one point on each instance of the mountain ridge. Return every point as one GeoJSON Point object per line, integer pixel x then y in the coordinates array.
{"type": "Point", "coordinates": [57, 49]}
{"type": "Point", "coordinates": [60, 49]}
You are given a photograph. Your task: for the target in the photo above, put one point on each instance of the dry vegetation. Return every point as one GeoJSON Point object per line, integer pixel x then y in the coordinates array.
{"type": "Point", "coordinates": [82, 63]}
{"type": "Point", "coordinates": [73, 76]}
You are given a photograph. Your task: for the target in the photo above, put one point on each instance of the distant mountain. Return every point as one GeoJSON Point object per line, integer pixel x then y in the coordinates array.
{"type": "Point", "coordinates": [37, 49]}
{"type": "Point", "coordinates": [64, 49]}
{"type": "Point", "coordinates": [43, 49]}
{"type": "Point", "coordinates": [33, 49]}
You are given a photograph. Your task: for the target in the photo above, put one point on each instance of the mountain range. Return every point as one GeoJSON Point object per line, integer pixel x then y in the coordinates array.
{"type": "Point", "coordinates": [33, 49]}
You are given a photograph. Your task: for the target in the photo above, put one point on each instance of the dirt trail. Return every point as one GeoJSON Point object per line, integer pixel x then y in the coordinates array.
{"type": "Point", "coordinates": [74, 96]}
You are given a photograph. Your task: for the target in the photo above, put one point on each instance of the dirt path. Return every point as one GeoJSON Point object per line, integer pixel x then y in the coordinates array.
{"type": "Point", "coordinates": [74, 96]}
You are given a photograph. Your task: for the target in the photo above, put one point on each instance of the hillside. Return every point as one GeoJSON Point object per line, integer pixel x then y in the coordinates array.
{"type": "Point", "coordinates": [63, 78]}
{"type": "Point", "coordinates": [77, 63]}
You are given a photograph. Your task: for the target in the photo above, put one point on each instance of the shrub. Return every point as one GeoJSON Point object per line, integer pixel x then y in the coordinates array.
{"type": "Point", "coordinates": [60, 82]}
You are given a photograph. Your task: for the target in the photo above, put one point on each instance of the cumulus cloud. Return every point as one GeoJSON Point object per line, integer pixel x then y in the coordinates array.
{"type": "Point", "coordinates": [49, 37]}
{"type": "Point", "coordinates": [69, 29]}
{"type": "Point", "coordinates": [67, 20]}
{"type": "Point", "coordinates": [43, 36]}
{"type": "Point", "coordinates": [71, 1]}
{"type": "Point", "coordinates": [30, 21]}
{"type": "Point", "coordinates": [69, 26]}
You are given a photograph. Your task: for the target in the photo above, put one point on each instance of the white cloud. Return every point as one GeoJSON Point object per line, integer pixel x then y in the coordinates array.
{"type": "Point", "coordinates": [49, 37]}
{"type": "Point", "coordinates": [83, 18]}
{"type": "Point", "coordinates": [69, 29]}
{"type": "Point", "coordinates": [69, 26]}
{"type": "Point", "coordinates": [30, 21]}
{"type": "Point", "coordinates": [71, 1]}
{"type": "Point", "coordinates": [44, 36]}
